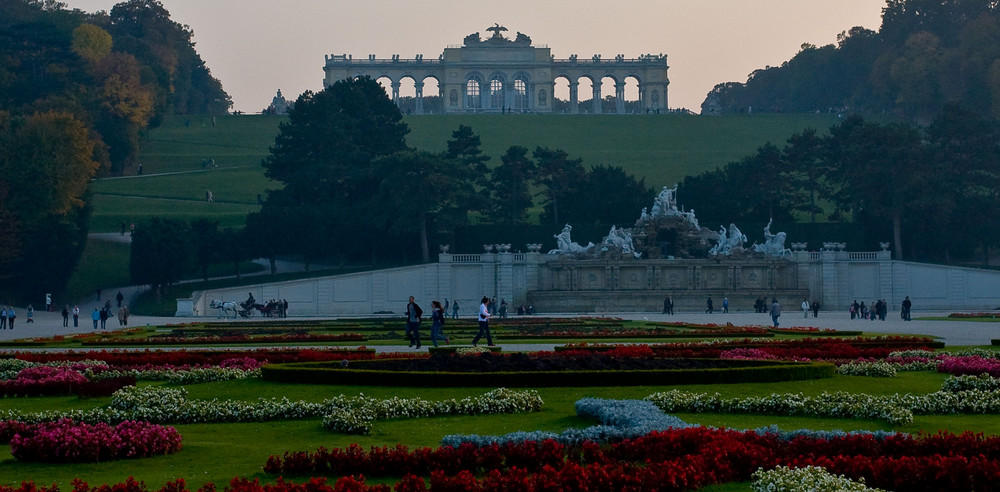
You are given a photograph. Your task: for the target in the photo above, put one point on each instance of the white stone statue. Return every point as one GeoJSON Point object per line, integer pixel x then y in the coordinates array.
{"type": "Point", "coordinates": [620, 239]}
{"type": "Point", "coordinates": [645, 215]}
{"type": "Point", "coordinates": [565, 244]}
{"type": "Point", "coordinates": [774, 244]}
{"type": "Point", "coordinates": [729, 240]}
{"type": "Point", "coordinates": [665, 202]}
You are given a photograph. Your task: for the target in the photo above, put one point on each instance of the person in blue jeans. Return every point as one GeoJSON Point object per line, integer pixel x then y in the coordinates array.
{"type": "Point", "coordinates": [96, 316]}
{"type": "Point", "coordinates": [437, 323]}
{"type": "Point", "coordinates": [775, 312]}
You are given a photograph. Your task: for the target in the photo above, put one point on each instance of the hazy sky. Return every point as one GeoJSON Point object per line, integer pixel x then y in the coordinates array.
{"type": "Point", "coordinates": [256, 47]}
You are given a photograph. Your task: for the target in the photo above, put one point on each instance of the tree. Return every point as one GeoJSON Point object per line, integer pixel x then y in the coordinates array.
{"type": "Point", "coordinates": [46, 161]}
{"type": "Point", "coordinates": [881, 172]}
{"type": "Point", "coordinates": [323, 154]}
{"type": "Point", "coordinates": [509, 193]}
{"type": "Point", "coordinates": [161, 252]}
{"type": "Point", "coordinates": [421, 190]}
{"type": "Point", "coordinates": [608, 195]}
{"type": "Point", "coordinates": [207, 243]}
{"type": "Point", "coordinates": [806, 170]}
{"type": "Point", "coordinates": [560, 176]}
{"type": "Point", "coordinates": [91, 42]}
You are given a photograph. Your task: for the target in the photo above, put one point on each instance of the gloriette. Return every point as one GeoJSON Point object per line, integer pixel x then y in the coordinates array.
{"type": "Point", "coordinates": [500, 74]}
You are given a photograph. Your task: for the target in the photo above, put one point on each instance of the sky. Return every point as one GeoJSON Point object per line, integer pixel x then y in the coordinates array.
{"type": "Point", "coordinates": [256, 47]}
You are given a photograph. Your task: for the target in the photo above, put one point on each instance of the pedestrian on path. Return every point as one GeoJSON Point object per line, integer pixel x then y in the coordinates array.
{"type": "Point", "coordinates": [3, 317]}
{"type": "Point", "coordinates": [805, 308]}
{"type": "Point", "coordinates": [484, 323]}
{"type": "Point", "coordinates": [775, 311]}
{"type": "Point", "coordinates": [454, 310]}
{"type": "Point", "coordinates": [76, 316]}
{"type": "Point", "coordinates": [31, 314]}
{"type": "Point", "coordinates": [96, 316]}
{"type": "Point", "coordinates": [10, 317]}
{"type": "Point", "coordinates": [413, 314]}
{"type": "Point", "coordinates": [65, 314]}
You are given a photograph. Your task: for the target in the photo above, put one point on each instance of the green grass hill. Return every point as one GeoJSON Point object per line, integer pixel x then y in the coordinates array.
{"type": "Point", "coordinates": [663, 149]}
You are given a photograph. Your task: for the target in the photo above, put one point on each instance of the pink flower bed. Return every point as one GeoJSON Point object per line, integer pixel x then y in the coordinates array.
{"type": "Point", "coordinates": [68, 441]}
{"type": "Point", "coordinates": [971, 365]}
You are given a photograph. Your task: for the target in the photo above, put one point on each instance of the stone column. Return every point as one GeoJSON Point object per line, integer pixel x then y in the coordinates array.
{"type": "Point", "coordinates": [620, 97]}
{"type": "Point", "coordinates": [596, 102]}
{"type": "Point", "coordinates": [395, 92]}
{"type": "Point", "coordinates": [642, 98]}
{"type": "Point", "coordinates": [419, 98]}
{"type": "Point", "coordinates": [574, 97]}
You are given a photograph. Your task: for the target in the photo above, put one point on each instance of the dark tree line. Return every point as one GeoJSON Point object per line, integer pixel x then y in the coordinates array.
{"type": "Point", "coordinates": [927, 53]}
{"type": "Point", "coordinates": [77, 91]}
{"type": "Point", "coordinates": [933, 192]}
{"type": "Point", "coordinates": [353, 191]}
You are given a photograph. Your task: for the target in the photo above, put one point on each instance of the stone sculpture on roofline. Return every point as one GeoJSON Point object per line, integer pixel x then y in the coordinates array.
{"type": "Point", "coordinates": [667, 231]}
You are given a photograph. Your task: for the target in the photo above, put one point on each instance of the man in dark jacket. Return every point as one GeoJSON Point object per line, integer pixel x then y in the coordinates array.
{"type": "Point", "coordinates": [413, 314]}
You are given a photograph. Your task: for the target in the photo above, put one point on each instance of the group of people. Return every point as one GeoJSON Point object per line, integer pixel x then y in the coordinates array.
{"type": "Point", "coordinates": [7, 317]}
{"type": "Point", "coordinates": [76, 316]}
{"type": "Point", "coordinates": [810, 306]}
{"type": "Point", "coordinates": [100, 315]}
{"type": "Point", "coordinates": [414, 314]}
{"type": "Point", "coordinates": [878, 309]}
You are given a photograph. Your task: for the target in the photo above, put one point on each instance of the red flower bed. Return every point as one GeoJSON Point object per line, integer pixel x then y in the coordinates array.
{"type": "Point", "coordinates": [127, 359]}
{"type": "Point", "coordinates": [197, 340]}
{"type": "Point", "coordinates": [68, 441]}
{"type": "Point", "coordinates": [43, 381]}
{"type": "Point", "coordinates": [671, 460]}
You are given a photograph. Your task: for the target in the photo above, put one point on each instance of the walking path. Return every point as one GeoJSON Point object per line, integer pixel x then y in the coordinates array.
{"type": "Point", "coordinates": [953, 333]}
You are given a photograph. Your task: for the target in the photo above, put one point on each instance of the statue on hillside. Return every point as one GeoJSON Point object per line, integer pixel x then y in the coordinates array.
{"type": "Point", "coordinates": [774, 244]}
{"type": "Point", "coordinates": [665, 202]}
{"type": "Point", "coordinates": [565, 244]}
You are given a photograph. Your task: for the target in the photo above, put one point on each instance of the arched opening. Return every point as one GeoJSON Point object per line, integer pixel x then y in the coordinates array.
{"type": "Point", "coordinates": [498, 91]}
{"type": "Point", "coordinates": [520, 102]}
{"type": "Point", "coordinates": [433, 99]}
{"type": "Point", "coordinates": [633, 103]}
{"type": "Point", "coordinates": [473, 93]}
{"type": "Point", "coordinates": [561, 95]}
{"type": "Point", "coordinates": [407, 95]}
{"type": "Point", "coordinates": [585, 91]}
{"type": "Point", "coordinates": [386, 84]}
{"type": "Point", "coordinates": [609, 98]}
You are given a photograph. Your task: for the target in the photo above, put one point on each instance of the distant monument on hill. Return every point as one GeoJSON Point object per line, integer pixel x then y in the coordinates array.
{"type": "Point", "coordinates": [502, 75]}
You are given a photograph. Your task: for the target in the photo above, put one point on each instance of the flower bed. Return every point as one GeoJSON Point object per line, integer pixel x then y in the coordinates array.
{"type": "Point", "coordinates": [66, 441]}
{"type": "Point", "coordinates": [225, 339]}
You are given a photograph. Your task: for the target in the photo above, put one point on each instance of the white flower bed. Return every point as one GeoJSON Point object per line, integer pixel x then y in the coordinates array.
{"type": "Point", "coordinates": [170, 405]}
{"type": "Point", "coordinates": [807, 479]}
{"type": "Point", "coordinates": [356, 415]}
{"type": "Point", "coordinates": [872, 369]}
{"type": "Point", "coordinates": [895, 409]}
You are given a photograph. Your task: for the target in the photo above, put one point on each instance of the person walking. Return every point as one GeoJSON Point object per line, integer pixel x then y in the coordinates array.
{"type": "Point", "coordinates": [123, 316]}
{"type": "Point", "coordinates": [670, 305]}
{"type": "Point", "coordinates": [31, 314]}
{"type": "Point", "coordinates": [708, 304]}
{"type": "Point", "coordinates": [907, 305]}
{"type": "Point", "coordinates": [3, 317]}
{"type": "Point", "coordinates": [10, 317]}
{"type": "Point", "coordinates": [65, 314]}
{"type": "Point", "coordinates": [805, 308]}
{"type": "Point", "coordinates": [120, 297]}
{"type": "Point", "coordinates": [484, 323]}
{"type": "Point", "coordinates": [413, 314]}
{"type": "Point", "coordinates": [815, 308]}
{"type": "Point", "coordinates": [725, 304]}
{"type": "Point", "coordinates": [775, 311]}
{"type": "Point", "coordinates": [454, 310]}
{"type": "Point", "coordinates": [103, 315]}
{"type": "Point", "coordinates": [76, 316]}
{"type": "Point", "coordinates": [437, 323]}
{"type": "Point", "coordinates": [96, 316]}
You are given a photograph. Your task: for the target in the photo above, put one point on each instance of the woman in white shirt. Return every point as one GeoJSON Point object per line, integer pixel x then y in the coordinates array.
{"type": "Point", "coordinates": [484, 323]}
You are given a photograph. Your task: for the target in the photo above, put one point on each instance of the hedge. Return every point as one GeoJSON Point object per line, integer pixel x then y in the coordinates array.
{"type": "Point", "coordinates": [354, 373]}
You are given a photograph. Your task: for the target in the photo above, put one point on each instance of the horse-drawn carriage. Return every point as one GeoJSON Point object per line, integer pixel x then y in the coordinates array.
{"type": "Point", "coordinates": [247, 309]}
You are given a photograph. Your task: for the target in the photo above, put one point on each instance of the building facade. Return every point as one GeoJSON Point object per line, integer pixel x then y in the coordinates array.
{"type": "Point", "coordinates": [498, 74]}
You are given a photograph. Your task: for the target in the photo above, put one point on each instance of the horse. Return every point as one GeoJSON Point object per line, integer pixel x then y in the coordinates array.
{"type": "Point", "coordinates": [225, 307]}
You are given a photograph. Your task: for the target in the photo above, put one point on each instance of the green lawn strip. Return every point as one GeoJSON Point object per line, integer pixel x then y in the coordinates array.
{"type": "Point", "coordinates": [103, 264]}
